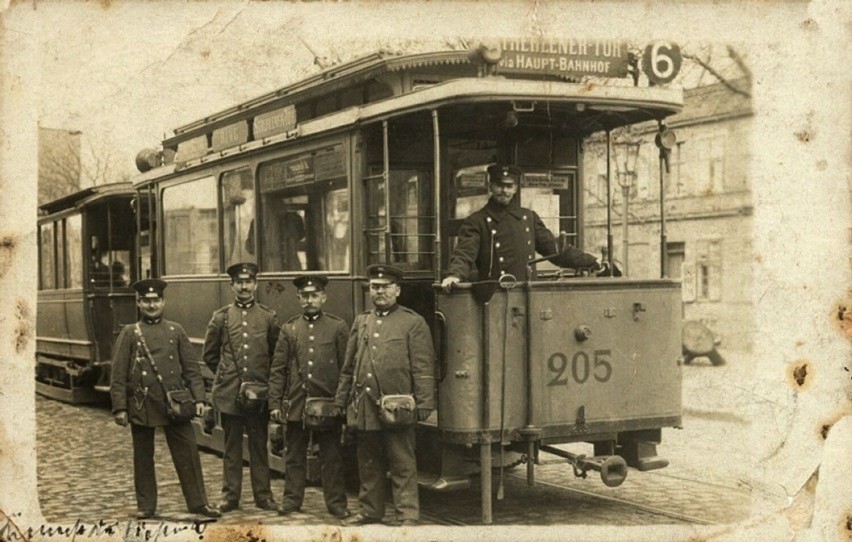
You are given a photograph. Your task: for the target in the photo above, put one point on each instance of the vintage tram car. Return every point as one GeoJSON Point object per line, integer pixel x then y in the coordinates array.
{"type": "Point", "coordinates": [379, 160]}
{"type": "Point", "coordinates": [87, 261]}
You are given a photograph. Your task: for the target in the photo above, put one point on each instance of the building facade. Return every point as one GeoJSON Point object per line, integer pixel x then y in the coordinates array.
{"type": "Point", "coordinates": [707, 204]}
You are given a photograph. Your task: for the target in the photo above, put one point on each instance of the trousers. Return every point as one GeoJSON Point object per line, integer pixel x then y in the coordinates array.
{"type": "Point", "coordinates": [331, 464]}
{"type": "Point", "coordinates": [378, 453]}
{"type": "Point", "coordinates": [256, 427]}
{"type": "Point", "coordinates": [180, 438]}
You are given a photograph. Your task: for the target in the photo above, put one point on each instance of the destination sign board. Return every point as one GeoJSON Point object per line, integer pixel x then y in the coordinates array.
{"type": "Point", "coordinates": [605, 58]}
{"type": "Point", "coordinates": [545, 180]}
{"type": "Point", "coordinates": [191, 148]}
{"type": "Point", "coordinates": [230, 136]}
{"type": "Point", "coordinates": [275, 122]}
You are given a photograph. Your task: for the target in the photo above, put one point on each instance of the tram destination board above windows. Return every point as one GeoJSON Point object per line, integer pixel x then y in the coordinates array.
{"type": "Point", "coordinates": [275, 122]}
{"type": "Point", "coordinates": [230, 136]}
{"type": "Point", "coordinates": [575, 57]}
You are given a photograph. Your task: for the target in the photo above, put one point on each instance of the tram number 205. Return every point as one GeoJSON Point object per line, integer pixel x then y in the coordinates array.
{"type": "Point", "coordinates": [583, 367]}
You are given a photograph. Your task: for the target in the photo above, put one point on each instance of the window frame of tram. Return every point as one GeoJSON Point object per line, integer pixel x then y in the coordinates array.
{"type": "Point", "coordinates": [64, 254]}
{"type": "Point", "coordinates": [305, 211]}
{"type": "Point", "coordinates": [193, 256]}
{"type": "Point", "coordinates": [111, 262]}
{"type": "Point", "coordinates": [410, 228]}
{"type": "Point", "coordinates": [551, 169]}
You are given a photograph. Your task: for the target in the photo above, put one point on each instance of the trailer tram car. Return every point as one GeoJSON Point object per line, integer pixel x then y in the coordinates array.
{"type": "Point", "coordinates": [379, 160]}
{"type": "Point", "coordinates": [87, 261]}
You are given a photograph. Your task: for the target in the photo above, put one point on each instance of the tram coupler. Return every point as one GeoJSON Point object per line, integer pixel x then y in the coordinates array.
{"type": "Point", "coordinates": [613, 468]}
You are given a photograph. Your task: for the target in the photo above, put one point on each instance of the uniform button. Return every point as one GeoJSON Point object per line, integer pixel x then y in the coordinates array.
{"type": "Point", "coordinates": [171, 357]}
{"type": "Point", "coordinates": [310, 337]}
{"type": "Point", "coordinates": [245, 369]}
{"type": "Point", "coordinates": [526, 229]}
{"type": "Point", "coordinates": [311, 350]}
{"type": "Point", "coordinates": [172, 328]}
{"type": "Point", "coordinates": [497, 245]}
{"type": "Point", "coordinates": [369, 375]}
{"type": "Point", "coordinates": [171, 372]}
{"type": "Point", "coordinates": [171, 341]}
{"type": "Point", "coordinates": [310, 375]}
{"type": "Point", "coordinates": [245, 323]}
{"type": "Point", "coordinates": [245, 346]}
{"type": "Point", "coordinates": [374, 347]}
{"type": "Point", "coordinates": [501, 259]}
{"type": "Point", "coordinates": [488, 219]}
{"type": "Point", "coordinates": [244, 312]}
{"type": "Point", "coordinates": [529, 242]}
{"type": "Point", "coordinates": [144, 373]}
{"type": "Point", "coordinates": [376, 334]}
{"type": "Point", "coordinates": [502, 272]}
{"type": "Point", "coordinates": [245, 334]}
{"type": "Point", "coordinates": [493, 232]}
{"type": "Point", "coordinates": [525, 217]}
{"type": "Point", "coordinates": [367, 388]}
{"type": "Point", "coordinates": [310, 326]}
{"type": "Point", "coordinates": [310, 363]}
{"type": "Point", "coordinates": [378, 322]}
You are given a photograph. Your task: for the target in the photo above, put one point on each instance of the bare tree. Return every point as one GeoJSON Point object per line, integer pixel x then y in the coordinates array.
{"type": "Point", "coordinates": [58, 163]}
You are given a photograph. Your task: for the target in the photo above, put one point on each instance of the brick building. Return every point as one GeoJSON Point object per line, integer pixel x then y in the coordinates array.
{"type": "Point", "coordinates": [708, 208]}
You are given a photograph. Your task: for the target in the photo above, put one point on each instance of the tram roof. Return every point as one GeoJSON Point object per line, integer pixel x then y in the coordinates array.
{"type": "Point", "coordinates": [593, 108]}
{"type": "Point", "coordinates": [85, 197]}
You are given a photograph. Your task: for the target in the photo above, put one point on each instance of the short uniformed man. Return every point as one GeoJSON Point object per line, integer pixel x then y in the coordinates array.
{"type": "Point", "coordinates": [136, 389]}
{"type": "Point", "coordinates": [307, 363]}
{"type": "Point", "coordinates": [389, 352]}
{"type": "Point", "coordinates": [502, 237]}
{"type": "Point", "coordinates": [239, 345]}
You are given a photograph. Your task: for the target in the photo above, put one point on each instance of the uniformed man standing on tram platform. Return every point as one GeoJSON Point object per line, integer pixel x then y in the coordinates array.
{"type": "Point", "coordinates": [238, 347]}
{"type": "Point", "coordinates": [306, 364]}
{"type": "Point", "coordinates": [502, 237]}
{"type": "Point", "coordinates": [389, 352]}
{"type": "Point", "coordinates": [149, 357]}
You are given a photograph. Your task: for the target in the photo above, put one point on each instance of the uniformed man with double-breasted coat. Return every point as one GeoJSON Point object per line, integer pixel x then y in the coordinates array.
{"type": "Point", "coordinates": [389, 352]}
{"type": "Point", "coordinates": [502, 237]}
{"type": "Point", "coordinates": [137, 385]}
{"type": "Point", "coordinates": [238, 348]}
{"type": "Point", "coordinates": [306, 364]}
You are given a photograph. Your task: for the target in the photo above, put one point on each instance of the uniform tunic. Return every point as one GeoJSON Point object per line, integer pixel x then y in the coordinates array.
{"type": "Point", "coordinates": [134, 388]}
{"type": "Point", "coordinates": [134, 385]}
{"type": "Point", "coordinates": [241, 352]}
{"type": "Point", "coordinates": [307, 362]}
{"type": "Point", "coordinates": [391, 351]}
{"type": "Point", "coordinates": [498, 240]}
{"type": "Point", "coordinates": [246, 349]}
{"type": "Point", "coordinates": [312, 368]}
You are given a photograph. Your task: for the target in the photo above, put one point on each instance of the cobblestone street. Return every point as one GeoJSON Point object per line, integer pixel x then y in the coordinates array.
{"type": "Point", "coordinates": [84, 472]}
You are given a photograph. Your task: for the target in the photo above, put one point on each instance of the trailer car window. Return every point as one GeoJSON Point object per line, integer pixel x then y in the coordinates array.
{"type": "Point", "coordinates": [48, 277]}
{"type": "Point", "coordinates": [74, 247]}
{"type": "Point", "coordinates": [238, 215]}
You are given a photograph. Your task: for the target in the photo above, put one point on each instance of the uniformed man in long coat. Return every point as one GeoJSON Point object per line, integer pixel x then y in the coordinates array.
{"type": "Point", "coordinates": [136, 389]}
{"type": "Point", "coordinates": [307, 363]}
{"type": "Point", "coordinates": [389, 352]}
{"type": "Point", "coordinates": [238, 348]}
{"type": "Point", "coordinates": [502, 237]}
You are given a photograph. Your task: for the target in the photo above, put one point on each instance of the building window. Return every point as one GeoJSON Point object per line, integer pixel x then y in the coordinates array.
{"type": "Point", "coordinates": [675, 258]}
{"type": "Point", "coordinates": [708, 266]}
{"type": "Point", "coordinates": [678, 177]}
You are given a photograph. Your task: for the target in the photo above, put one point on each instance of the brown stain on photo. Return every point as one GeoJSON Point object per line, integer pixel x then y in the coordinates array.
{"type": "Point", "coordinates": [800, 375]}
{"type": "Point", "coordinates": [843, 318]}
{"type": "Point", "coordinates": [23, 330]}
{"type": "Point", "coordinates": [224, 533]}
{"type": "Point", "coordinates": [8, 242]}
{"type": "Point", "coordinates": [824, 427]}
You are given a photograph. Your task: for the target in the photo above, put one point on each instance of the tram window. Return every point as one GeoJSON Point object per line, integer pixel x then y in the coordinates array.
{"type": "Point", "coordinates": [238, 215]}
{"type": "Point", "coordinates": [74, 248]}
{"type": "Point", "coordinates": [48, 273]}
{"type": "Point", "coordinates": [59, 232]}
{"type": "Point", "coordinates": [191, 228]}
{"type": "Point", "coordinates": [305, 212]}
{"type": "Point", "coordinates": [410, 232]}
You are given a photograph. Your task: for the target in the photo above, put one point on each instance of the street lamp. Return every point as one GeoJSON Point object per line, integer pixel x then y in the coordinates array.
{"type": "Point", "coordinates": [626, 156]}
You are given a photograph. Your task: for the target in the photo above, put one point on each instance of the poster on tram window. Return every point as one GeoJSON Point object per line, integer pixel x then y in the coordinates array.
{"type": "Point", "coordinates": [407, 179]}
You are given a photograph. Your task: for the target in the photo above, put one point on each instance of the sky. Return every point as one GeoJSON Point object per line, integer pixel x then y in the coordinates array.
{"type": "Point", "coordinates": [129, 73]}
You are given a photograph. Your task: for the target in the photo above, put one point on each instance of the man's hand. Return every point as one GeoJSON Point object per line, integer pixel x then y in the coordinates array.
{"type": "Point", "coordinates": [275, 415]}
{"type": "Point", "coordinates": [120, 418]}
{"type": "Point", "coordinates": [448, 283]}
{"type": "Point", "coordinates": [199, 408]}
{"type": "Point", "coordinates": [423, 414]}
